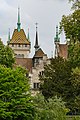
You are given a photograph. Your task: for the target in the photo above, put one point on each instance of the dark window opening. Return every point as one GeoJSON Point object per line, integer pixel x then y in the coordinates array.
{"type": "Point", "coordinates": [36, 85]}
{"type": "Point", "coordinates": [18, 45]}
{"type": "Point", "coordinates": [12, 45]}
{"type": "Point", "coordinates": [41, 73]}
{"type": "Point", "coordinates": [25, 45]}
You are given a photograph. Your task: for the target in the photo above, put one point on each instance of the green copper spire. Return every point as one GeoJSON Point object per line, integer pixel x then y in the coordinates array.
{"type": "Point", "coordinates": [18, 24]}
{"type": "Point", "coordinates": [57, 39]}
{"type": "Point", "coordinates": [9, 35]}
{"type": "Point", "coordinates": [28, 35]}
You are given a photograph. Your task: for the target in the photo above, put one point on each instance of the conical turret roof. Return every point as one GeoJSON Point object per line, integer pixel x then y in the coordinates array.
{"type": "Point", "coordinates": [19, 37]}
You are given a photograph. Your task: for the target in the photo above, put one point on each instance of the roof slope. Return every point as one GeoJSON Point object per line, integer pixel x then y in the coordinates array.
{"type": "Point", "coordinates": [39, 53]}
{"type": "Point", "coordinates": [19, 37]}
{"type": "Point", "coordinates": [25, 62]}
{"type": "Point", "coordinates": [63, 50]}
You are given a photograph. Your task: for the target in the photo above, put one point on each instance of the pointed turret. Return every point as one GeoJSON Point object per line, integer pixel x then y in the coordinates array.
{"type": "Point", "coordinates": [36, 41]}
{"type": "Point", "coordinates": [18, 24]}
{"type": "Point", "coordinates": [57, 39]}
{"type": "Point", "coordinates": [19, 42]}
{"type": "Point", "coordinates": [8, 37]}
{"type": "Point", "coordinates": [28, 35]}
{"type": "Point", "coordinates": [57, 42]}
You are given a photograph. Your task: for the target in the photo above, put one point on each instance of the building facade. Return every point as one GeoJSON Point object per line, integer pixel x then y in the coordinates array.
{"type": "Point", "coordinates": [21, 46]}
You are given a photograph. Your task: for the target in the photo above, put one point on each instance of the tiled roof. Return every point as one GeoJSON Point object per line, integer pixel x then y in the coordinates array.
{"type": "Point", "coordinates": [39, 53]}
{"type": "Point", "coordinates": [25, 62]}
{"type": "Point", "coordinates": [63, 50]}
{"type": "Point", "coordinates": [19, 37]}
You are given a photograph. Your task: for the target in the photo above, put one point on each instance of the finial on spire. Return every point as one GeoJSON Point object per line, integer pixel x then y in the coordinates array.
{"type": "Point", "coordinates": [28, 34]}
{"type": "Point", "coordinates": [57, 39]}
{"type": "Point", "coordinates": [36, 25]}
{"type": "Point", "coordinates": [36, 41]}
{"type": "Point", "coordinates": [18, 24]}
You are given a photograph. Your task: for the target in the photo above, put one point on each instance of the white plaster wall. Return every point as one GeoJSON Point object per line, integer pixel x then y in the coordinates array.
{"type": "Point", "coordinates": [21, 50]}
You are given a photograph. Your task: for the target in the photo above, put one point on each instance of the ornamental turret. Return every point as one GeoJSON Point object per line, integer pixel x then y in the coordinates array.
{"type": "Point", "coordinates": [8, 36]}
{"type": "Point", "coordinates": [19, 42]}
{"type": "Point", "coordinates": [57, 42]}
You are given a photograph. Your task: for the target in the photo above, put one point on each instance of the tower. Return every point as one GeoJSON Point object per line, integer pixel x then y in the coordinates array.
{"type": "Point", "coordinates": [19, 42]}
{"type": "Point", "coordinates": [57, 42]}
{"type": "Point", "coordinates": [36, 40]}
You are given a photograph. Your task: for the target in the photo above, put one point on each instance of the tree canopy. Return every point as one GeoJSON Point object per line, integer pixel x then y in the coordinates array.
{"type": "Point", "coordinates": [71, 23]}
{"type": "Point", "coordinates": [51, 109]}
{"type": "Point", "coordinates": [74, 55]}
{"type": "Point", "coordinates": [56, 77]}
{"type": "Point", "coordinates": [76, 4]}
{"type": "Point", "coordinates": [71, 26]}
{"type": "Point", "coordinates": [6, 55]}
{"type": "Point", "coordinates": [76, 86]}
{"type": "Point", "coordinates": [15, 99]}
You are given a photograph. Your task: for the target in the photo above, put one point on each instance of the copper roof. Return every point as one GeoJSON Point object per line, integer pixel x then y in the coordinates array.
{"type": "Point", "coordinates": [39, 53]}
{"type": "Point", "coordinates": [25, 62]}
{"type": "Point", "coordinates": [19, 37]}
{"type": "Point", "coordinates": [63, 50]}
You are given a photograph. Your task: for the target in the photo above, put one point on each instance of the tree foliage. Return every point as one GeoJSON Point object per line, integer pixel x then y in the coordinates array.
{"type": "Point", "coordinates": [71, 26]}
{"type": "Point", "coordinates": [58, 80]}
{"type": "Point", "coordinates": [52, 109]}
{"type": "Point", "coordinates": [15, 98]}
{"type": "Point", "coordinates": [76, 4]}
{"type": "Point", "coordinates": [74, 55]}
{"type": "Point", "coordinates": [6, 55]}
{"type": "Point", "coordinates": [71, 23]}
{"type": "Point", "coordinates": [56, 77]}
{"type": "Point", "coordinates": [76, 86]}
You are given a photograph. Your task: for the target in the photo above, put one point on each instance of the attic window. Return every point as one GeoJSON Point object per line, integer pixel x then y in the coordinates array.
{"type": "Point", "coordinates": [12, 45]}
{"type": "Point", "coordinates": [18, 45]}
{"type": "Point", "coordinates": [25, 45]}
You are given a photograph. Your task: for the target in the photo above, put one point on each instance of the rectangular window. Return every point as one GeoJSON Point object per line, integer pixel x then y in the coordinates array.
{"type": "Point", "coordinates": [18, 45]}
{"type": "Point", "coordinates": [25, 45]}
{"type": "Point", "coordinates": [41, 73]}
{"type": "Point", "coordinates": [12, 45]}
{"type": "Point", "coordinates": [35, 85]}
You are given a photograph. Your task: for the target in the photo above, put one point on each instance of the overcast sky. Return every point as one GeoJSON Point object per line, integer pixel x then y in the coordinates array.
{"type": "Point", "coordinates": [47, 13]}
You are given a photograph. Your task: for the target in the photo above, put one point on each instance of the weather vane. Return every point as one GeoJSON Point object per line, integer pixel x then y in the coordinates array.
{"type": "Point", "coordinates": [36, 24]}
